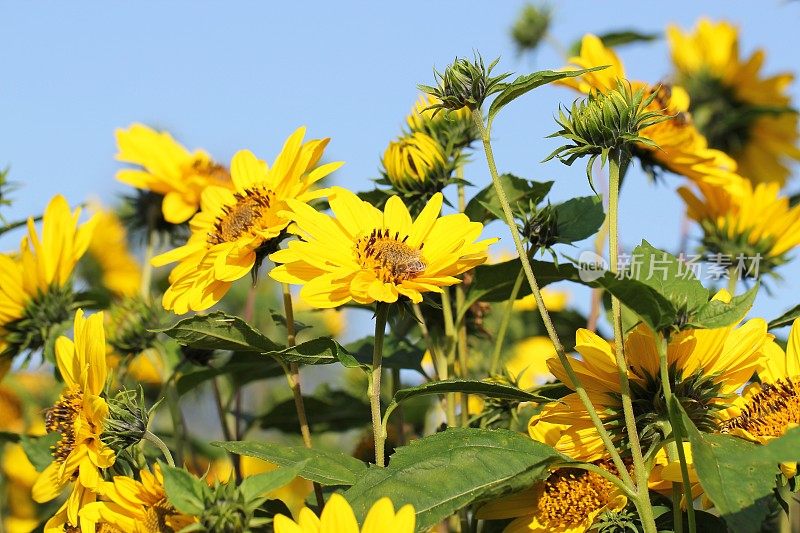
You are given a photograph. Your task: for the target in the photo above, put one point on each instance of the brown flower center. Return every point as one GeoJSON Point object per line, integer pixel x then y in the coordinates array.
{"type": "Point", "coordinates": [156, 517]}
{"type": "Point", "coordinates": [240, 218]}
{"type": "Point", "coordinates": [390, 257]}
{"type": "Point", "coordinates": [570, 495]}
{"type": "Point", "coordinates": [61, 418]}
{"type": "Point", "coordinates": [771, 411]}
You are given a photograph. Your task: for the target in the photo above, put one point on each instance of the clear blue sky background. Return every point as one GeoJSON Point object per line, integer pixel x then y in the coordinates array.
{"type": "Point", "coordinates": [231, 75]}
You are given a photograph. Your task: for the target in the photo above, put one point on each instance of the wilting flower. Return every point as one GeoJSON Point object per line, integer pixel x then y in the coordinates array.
{"type": "Point", "coordinates": [120, 273]}
{"type": "Point", "coordinates": [707, 367]}
{"type": "Point", "coordinates": [676, 144]}
{"type": "Point", "coordinates": [414, 162]}
{"type": "Point", "coordinates": [35, 292]}
{"type": "Point", "coordinates": [367, 255]}
{"type": "Point", "coordinates": [739, 111]}
{"type": "Point", "coordinates": [756, 225]}
{"type": "Point", "coordinates": [338, 517]}
{"type": "Point", "coordinates": [79, 416]}
{"type": "Point", "coordinates": [234, 229]}
{"type": "Point", "coordinates": [135, 506]}
{"type": "Point", "coordinates": [770, 408]}
{"type": "Point", "coordinates": [569, 501]}
{"type": "Point", "coordinates": [168, 169]}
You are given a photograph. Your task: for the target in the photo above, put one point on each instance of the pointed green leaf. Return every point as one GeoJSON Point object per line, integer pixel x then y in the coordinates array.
{"type": "Point", "coordinates": [579, 218]}
{"type": "Point", "coordinates": [485, 205]}
{"type": "Point", "coordinates": [219, 331]}
{"type": "Point", "coordinates": [469, 386]}
{"type": "Point", "coordinates": [255, 487]}
{"type": "Point", "coordinates": [39, 449]}
{"type": "Point", "coordinates": [786, 319]}
{"type": "Point", "coordinates": [718, 314]}
{"type": "Point", "coordinates": [184, 491]}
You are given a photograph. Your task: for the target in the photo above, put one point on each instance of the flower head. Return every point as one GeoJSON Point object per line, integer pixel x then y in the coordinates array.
{"type": "Point", "coordinates": [79, 416]}
{"type": "Point", "coordinates": [753, 223]}
{"type": "Point", "coordinates": [738, 110]}
{"type": "Point", "coordinates": [338, 517]}
{"type": "Point", "coordinates": [414, 162]}
{"type": "Point", "coordinates": [168, 169]}
{"type": "Point", "coordinates": [234, 229]}
{"type": "Point", "coordinates": [366, 255]}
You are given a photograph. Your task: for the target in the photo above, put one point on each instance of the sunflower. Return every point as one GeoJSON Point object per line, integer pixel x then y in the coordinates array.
{"type": "Point", "coordinates": [120, 273]}
{"type": "Point", "coordinates": [454, 129]}
{"type": "Point", "coordinates": [706, 367]}
{"type": "Point", "coordinates": [770, 408]}
{"type": "Point", "coordinates": [568, 501]}
{"type": "Point", "coordinates": [757, 225]}
{"type": "Point", "coordinates": [233, 228]}
{"type": "Point", "coordinates": [681, 148]}
{"type": "Point", "coordinates": [367, 255]}
{"type": "Point", "coordinates": [79, 416]}
{"type": "Point", "coordinates": [168, 169]}
{"type": "Point", "coordinates": [338, 517]}
{"type": "Point", "coordinates": [741, 112]}
{"type": "Point", "coordinates": [413, 161]}
{"type": "Point", "coordinates": [135, 506]}
{"type": "Point", "coordinates": [35, 289]}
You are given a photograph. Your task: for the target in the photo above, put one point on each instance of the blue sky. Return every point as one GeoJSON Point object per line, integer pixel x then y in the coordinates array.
{"type": "Point", "coordinates": [231, 75]}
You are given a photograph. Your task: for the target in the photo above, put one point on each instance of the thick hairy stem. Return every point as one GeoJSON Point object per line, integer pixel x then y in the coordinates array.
{"type": "Point", "coordinates": [575, 382]}
{"type": "Point", "coordinates": [374, 391]}
{"type": "Point", "coordinates": [618, 161]}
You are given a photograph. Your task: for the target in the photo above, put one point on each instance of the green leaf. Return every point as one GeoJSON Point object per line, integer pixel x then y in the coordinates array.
{"type": "Point", "coordinates": [469, 386]}
{"type": "Point", "coordinates": [242, 367]}
{"type": "Point", "coordinates": [455, 468]}
{"type": "Point", "coordinates": [328, 410]}
{"type": "Point", "coordinates": [324, 467]}
{"type": "Point", "coordinates": [255, 487]}
{"type": "Point", "coordinates": [648, 304]}
{"type": "Point", "coordinates": [485, 205]}
{"type": "Point", "coordinates": [737, 475]}
{"type": "Point", "coordinates": [523, 84]}
{"type": "Point", "coordinates": [319, 351]}
{"type": "Point", "coordinates": [219, 331]}
{"type": "Point", "coordinates": [397, 353]}
{"type": "Point", "coordinates": [39, 449]}
{"type": "Point", "coordinates": [718, 314]}
{"type": "Point", "coordinates": [786, 319]}
{"type": "Point", "coordinates": [617, 38]}
{"type": "Point", "coordinates": [579, 218]}
{"type": "Point", "coordinates": [184, 491]}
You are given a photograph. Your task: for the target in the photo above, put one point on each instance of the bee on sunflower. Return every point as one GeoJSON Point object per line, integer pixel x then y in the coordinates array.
{"type": "Point", "coordinates": [338, 517]}
{"type": "Point", "coordinates": [36, 295]}
{"type": "Point", "coordinates": [675, 144]}
{"type": "Point", "coordinates": [235, 229]}
{"type": "Point", "coordinates": [739, 111]}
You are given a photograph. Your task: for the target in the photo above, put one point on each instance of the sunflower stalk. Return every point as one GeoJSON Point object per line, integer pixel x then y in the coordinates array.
{"type": "Point", "coordinates": [648, 521]}
{"type": "Point", "coordinates": [374, 389]}
{"type": "Point", "coordinates": [618, 161]}
{"type": "Point", "coordinates": [678, 439]}
{"type": "Point", "coordinates": [450, 335]}
{"type": "Point", "coordinates": [461, 326]}
{"type": "Point", "coordinates": [292, 373]}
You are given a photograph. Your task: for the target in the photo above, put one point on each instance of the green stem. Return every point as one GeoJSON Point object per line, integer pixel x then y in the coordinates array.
{"type": "Point", "coordinates": [732, 274]}
{"type": "Point", "coordinates": [504, 322]}
{"type": "Point", "coordinates": [170, 392]}
{"type": "Point", "coordinates": [374, 390]}
{"type": "Point", "coordinates": [226, 430]}
{"type": "Point", "coordinates": [617, 161]}
{"type": "Point", "coordinates": [537, 294]}
{"type": "Point", "coordinates": [450, 335]}
{"type": "Point", "coordinates": [293, 377]}
{"type": "Point", "coordinates": [153, 439]}
{"type": "Point", "coordinates": [666, 386]}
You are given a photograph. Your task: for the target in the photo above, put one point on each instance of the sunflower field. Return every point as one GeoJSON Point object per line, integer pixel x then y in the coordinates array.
{"type": "Point", "coordinates": [263, 343]}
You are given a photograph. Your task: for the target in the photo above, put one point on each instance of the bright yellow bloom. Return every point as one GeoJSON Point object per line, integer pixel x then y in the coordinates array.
{"type": "Point", "coordinates": [338, 517]}
{"type": "Point", "coordinates": [741, 112]}
{"type": "Point", "coordinates": [135, 506]}
{"type": "Point", "coordinates": [367, 255]}
{"type": "Point", "coordinates": [168, 169]}
{"type": "Point", "coordinates": [528, 362]}
{"type": "Point", "coordinates": [413, 160]}
{"type": "Point", "coordinates": [233, 226]}
{"type": "Point", "coordinates": [756, 221]}
{"type": "Point", "coordinates": [682, 149]}
{"type": "Point", "coordinates": [79, 416]}
{"type": "Point", "coordinates": [708, 365]}
{"type": "Point", "coordinates": [121, 273]}
{"type": "Point", "coordinates": [554, 300]}
{"type": "Point", "coordinates": [568, 501]}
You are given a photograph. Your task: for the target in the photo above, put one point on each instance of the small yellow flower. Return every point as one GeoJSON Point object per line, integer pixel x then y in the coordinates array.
{"type": "Point", "coordinates": [367, 255]}
{"type": "Point", "coordinates": [753, 221]}
{"type": "Point", "coordinates": [293, 494]}
{"type": "Point", "coordinates": [681, 148]}
{"type": "Point", "coordinates": [79, 416]}
{"type": "Point", "coordinates": [554, 300]}
{"type": "Point", "coordinates": [338, 517]}
{"type": "Point", "coordinates": [413, 160]}
{"type": "Point", "coordinates": [135, 506]}
{"type": "Point", "coordinates": [746, 115]}
{"type": "Point", "coordinates": [168, 169]}
{"type": "Point", "coordinates": [232, 227]}
{"type": "Point", "coordinates": [121, 273]}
